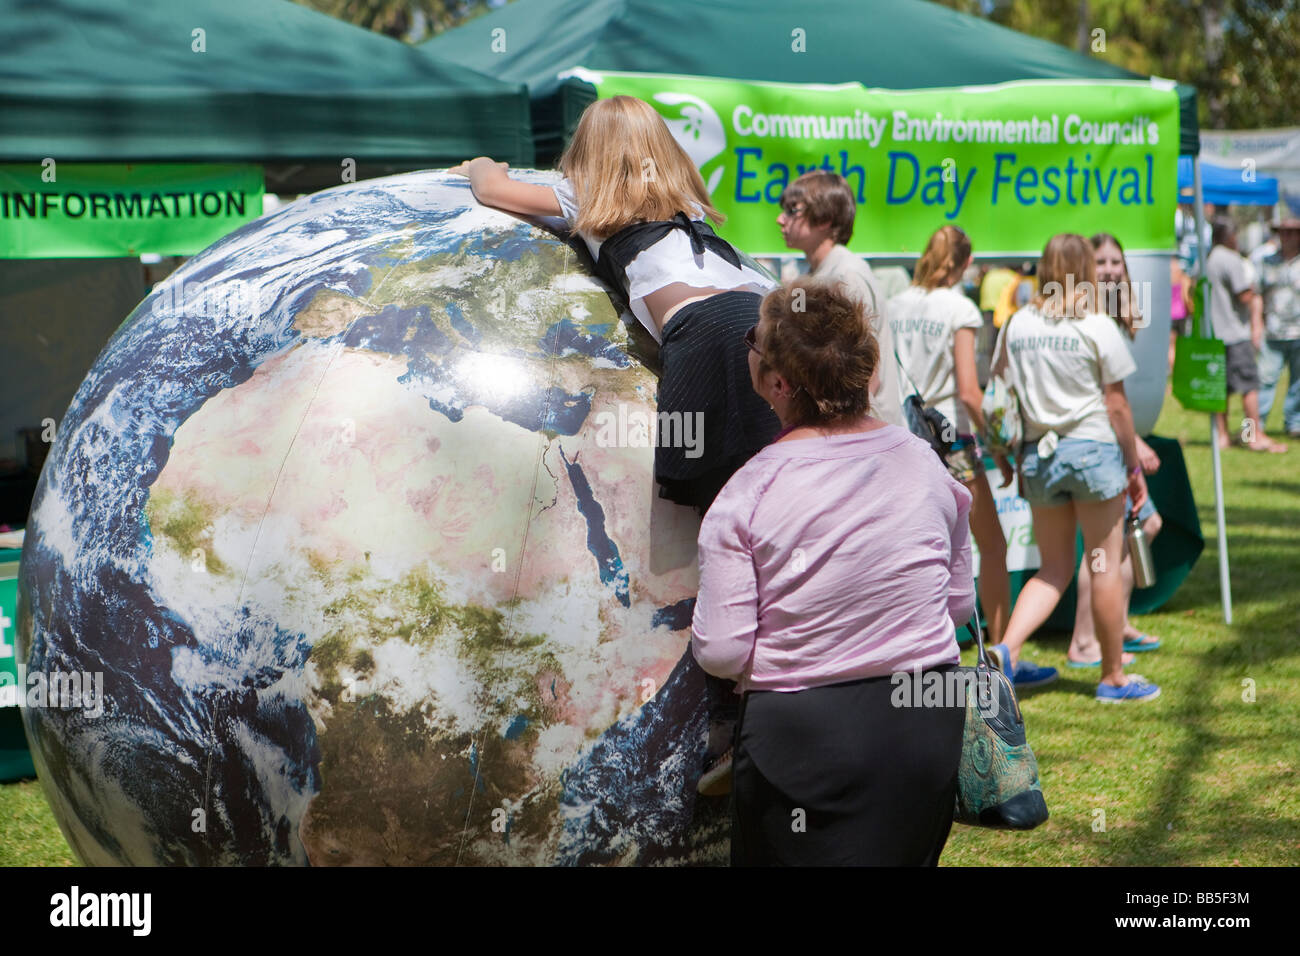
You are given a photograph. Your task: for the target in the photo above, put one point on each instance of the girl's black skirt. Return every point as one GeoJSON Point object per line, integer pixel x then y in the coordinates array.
{"type": "Point", "coordinates": [705, 365]}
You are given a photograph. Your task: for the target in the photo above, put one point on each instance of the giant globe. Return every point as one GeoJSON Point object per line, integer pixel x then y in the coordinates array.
{"type": "Point", "coordinates": [355, 519]}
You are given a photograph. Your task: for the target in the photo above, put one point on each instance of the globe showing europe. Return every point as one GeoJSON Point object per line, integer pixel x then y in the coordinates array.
{"type": "Point", "coordinates": [354, 520]}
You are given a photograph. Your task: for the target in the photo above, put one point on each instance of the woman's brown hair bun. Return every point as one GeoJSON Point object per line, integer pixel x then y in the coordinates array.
{"type": "Point", "coordinates": [819, 338]}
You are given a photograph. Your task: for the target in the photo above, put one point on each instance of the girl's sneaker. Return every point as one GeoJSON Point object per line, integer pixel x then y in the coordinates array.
{"type": "Point", "coordinates": [1137, 689]}
{"type": "Point", "coordinates": [1024, 675]}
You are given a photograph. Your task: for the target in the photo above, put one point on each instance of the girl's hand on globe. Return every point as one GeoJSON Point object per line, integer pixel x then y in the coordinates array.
{"type": "Point", "coordinates": [468, 167]}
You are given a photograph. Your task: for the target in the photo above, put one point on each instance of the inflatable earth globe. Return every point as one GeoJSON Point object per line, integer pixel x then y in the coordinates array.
{"type": "Point", "coordinates": [353, 524]}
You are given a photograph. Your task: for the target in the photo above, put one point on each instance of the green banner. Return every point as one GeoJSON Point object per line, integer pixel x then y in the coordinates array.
{"type": "Point", "coordinates": [8, 636]}
{"type": "Point", "coordinates": [1012, 164]}
{"type": "Point", "coordinates": [53, 210]}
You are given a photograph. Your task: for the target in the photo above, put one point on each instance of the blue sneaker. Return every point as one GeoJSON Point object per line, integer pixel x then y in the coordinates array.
{"type": "Point", "coordinates": [1028, 675]}
{"type": "Point", "coordinates": [1024, 674]}
{"type": "Point", "coordinates": [1138, 688]}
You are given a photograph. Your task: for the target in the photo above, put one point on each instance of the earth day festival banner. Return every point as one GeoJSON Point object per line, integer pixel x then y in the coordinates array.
{"type": "Point", "coordinates": [51, 210]}
{"type": "Point", "coordinates": [1012, 164]}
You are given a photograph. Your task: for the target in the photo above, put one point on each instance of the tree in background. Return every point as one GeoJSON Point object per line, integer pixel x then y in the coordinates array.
{"type": "Point", "coordinates": [1243, 56]}
{"type": "Point", "coordinates": [410, 20]}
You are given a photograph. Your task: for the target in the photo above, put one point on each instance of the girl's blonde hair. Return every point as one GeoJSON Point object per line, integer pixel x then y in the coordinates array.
{"type": "Point", "coordinates": [1067, 277]}
{"type": "Point", "coordinates": [1117, 298]}
{"type": "Point", "coordinates": [945, 255]}
{"type": "Point", "coordinates": [626, 167]}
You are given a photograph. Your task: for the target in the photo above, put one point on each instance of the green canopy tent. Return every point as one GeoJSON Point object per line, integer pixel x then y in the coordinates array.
{"type": "Point", "coordinates": [892, 44]}
{"type": "Point", "coordinates": [238, 81]}
{"type": "Point", "coordinates": [118, 84]}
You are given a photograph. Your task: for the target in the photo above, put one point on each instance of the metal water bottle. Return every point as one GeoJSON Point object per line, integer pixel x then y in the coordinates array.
{"type": "Point", "coordinates": [1139, 549]}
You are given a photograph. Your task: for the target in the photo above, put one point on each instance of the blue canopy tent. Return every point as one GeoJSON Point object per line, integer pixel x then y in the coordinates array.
{"type": "Point", "coordinates": [1225, 186]}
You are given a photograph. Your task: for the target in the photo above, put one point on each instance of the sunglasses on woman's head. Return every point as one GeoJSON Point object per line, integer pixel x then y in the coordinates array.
{"type": "Point", "coordinates": [751, 339]}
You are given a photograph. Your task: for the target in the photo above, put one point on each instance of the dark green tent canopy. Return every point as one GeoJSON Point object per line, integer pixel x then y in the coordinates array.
{"type": "Point", "coordinates": [122, 80]}
{"type": "Point", "coordinates": [892, 44]}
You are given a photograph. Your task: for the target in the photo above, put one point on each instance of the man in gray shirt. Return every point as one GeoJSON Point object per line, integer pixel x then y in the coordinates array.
{"type": "Point", "coordinates": [817, 212]}
{"type": "Point", "coordinates": [1240, 326]}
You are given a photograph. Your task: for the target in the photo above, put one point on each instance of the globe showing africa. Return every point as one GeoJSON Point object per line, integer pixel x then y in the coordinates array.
{"type": "Point", "coordinates": [356, 518]}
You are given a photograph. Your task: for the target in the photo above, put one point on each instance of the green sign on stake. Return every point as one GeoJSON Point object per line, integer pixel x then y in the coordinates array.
{"type": "Point", "coordinates": [1201, 374]}
{"type": "Point", "coordinates": [1012, 164]}
{"type": "Point", "coordinates": [54, 210]}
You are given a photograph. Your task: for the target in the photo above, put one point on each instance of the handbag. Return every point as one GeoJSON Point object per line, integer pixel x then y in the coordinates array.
{"type": "Point", "coordinates": [926, 423]}
{"type": "Point", "coordinates": [997, 779]}
{"type": "Point", "coordinates": [929, 424]}
{"type": "Point", "coordinates": [1003, 426]}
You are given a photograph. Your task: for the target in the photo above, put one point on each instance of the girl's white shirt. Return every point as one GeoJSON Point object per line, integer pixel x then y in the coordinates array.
{"type": "Point", "coordinates": [669, 260]}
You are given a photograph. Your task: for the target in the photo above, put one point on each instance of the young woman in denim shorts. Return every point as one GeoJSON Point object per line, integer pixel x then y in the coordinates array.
{"type": "Point", "coordinates": [1119, 301]}
{"type": "Point", "coordinates": [1068, 362]}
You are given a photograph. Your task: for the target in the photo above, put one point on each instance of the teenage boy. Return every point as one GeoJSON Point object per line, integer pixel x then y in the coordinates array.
{"type": "Point", "coordinates": [817, 212]}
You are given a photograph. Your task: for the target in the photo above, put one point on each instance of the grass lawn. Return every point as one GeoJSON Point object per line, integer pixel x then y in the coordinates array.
{"type": "Point", "coordinates": [28, 834]}
{"type": "Point", "coordinates": [1199, 777]}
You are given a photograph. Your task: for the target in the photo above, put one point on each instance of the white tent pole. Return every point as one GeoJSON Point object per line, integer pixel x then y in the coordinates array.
{"type": "Point", "coordinates": [1206, 331]}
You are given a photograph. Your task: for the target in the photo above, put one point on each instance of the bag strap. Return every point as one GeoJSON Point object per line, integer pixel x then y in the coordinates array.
{"type": "Point", "coordinates": [901, 367]}
{"type": "Point", "coordinates": [915, 391]}
{"type": "Point", "coordinates": [1000, 359]}
{"type": "Point", "coordinates": [999, 363]}
{"type": "Point", "coordinates": [982, 657]}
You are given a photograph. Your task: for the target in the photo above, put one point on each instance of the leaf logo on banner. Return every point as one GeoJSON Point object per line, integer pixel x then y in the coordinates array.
{"type": "Point", "coordinates": [698, 131]}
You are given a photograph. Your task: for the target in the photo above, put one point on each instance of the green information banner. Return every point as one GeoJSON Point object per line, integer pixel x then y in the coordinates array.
{"type": "Point", "coordinates": [8, 637]}
{"type": "Point", "coordinates": [15, 761]}
{"type": "Point", "coordinates": [87, 209]}
{"type": "Point", "coordinates": [1012, 164]}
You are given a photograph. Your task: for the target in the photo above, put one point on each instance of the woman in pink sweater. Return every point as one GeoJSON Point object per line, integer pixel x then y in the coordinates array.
{"type": "Point", "coordinates": [833, 564]}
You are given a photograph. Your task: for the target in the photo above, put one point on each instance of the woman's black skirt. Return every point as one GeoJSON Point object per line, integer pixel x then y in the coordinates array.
{"type": "Point", "coordinates": [839, 775]}
{"type": "Point", "coordinates": [706, 376]}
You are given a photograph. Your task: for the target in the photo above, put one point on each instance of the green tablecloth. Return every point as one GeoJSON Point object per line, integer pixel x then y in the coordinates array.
{"type": "Point", "coordinates": [15, 761]}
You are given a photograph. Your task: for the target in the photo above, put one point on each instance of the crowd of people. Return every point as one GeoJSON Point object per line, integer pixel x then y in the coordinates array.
{"type": "Point", "coordinates": [834, 549]}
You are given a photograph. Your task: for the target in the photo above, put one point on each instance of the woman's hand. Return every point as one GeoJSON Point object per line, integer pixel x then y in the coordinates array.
{"type": "Point", "coordinates": [1004, 466]}
{"type": "Point", "coordinates": [1137, 489]}
{"type": "Point", "coordinates": [1147, 457]}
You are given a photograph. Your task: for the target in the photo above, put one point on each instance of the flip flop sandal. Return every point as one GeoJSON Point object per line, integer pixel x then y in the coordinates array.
{"type": "Point", "coordinates": [1143, 642]}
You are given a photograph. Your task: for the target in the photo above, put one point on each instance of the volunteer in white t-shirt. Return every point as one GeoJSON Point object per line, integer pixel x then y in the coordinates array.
{"type": "Point", "coordinates": [1067, 362]}
{"type": "Point", "coordinates": [934, 327]}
